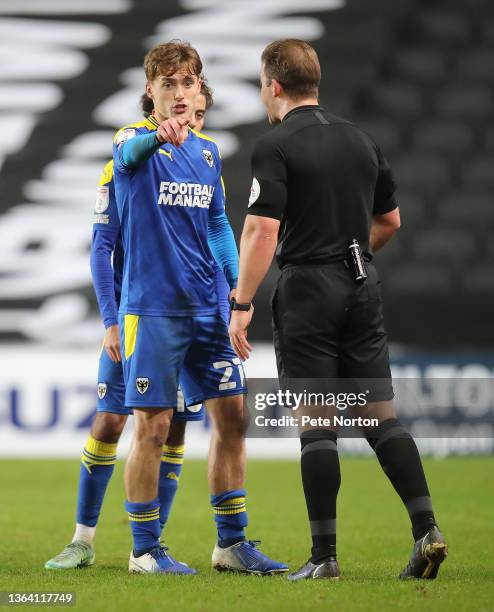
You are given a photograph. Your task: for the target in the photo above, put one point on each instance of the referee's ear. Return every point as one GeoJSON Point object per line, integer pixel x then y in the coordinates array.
{"type": "Point", "coordinates": [276, 88]}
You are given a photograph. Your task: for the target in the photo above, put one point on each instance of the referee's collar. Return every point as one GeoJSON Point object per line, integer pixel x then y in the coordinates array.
{"type": "Point", "coordinates": [300, 109]}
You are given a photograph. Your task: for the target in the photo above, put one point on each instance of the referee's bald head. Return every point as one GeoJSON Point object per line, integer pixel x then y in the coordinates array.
{"type": "Point", "coordinates": [294, 65]}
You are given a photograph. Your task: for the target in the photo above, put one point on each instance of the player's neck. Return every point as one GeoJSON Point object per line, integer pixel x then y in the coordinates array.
{"type": "Point", "coordinates": [288, 105]}
{"type": "Point", "coordinates": [158, 116]}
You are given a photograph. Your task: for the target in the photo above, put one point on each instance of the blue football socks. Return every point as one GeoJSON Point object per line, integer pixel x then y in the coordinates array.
{"type": "Point", "coordinates": [97, 465]}
{"type": "Point", "coordinates": [230, 516]}
{"type": "Point", "coordinates": [145, 525]}
{"type": "Point", "coordinates": [172, 459]}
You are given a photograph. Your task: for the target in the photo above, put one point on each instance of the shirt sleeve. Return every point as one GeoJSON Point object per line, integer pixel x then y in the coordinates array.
{"type": "Point", "coordinates": [222, 291]}
{"type": "Point", "coordinates": [106, 229]}
{"type": "Point", "coordinates": [217, 205]}
{"type": "Point", "coordinates": [220, 236]}
{"type": "Point", "coordinates": [223, 246]}
{"type": "Point", "coordinates": [384, 193]}
{"type": "Point", "coordinates": [105, 209]}
{"type": "Point", "coordinates": [130, 149]}
{"type": "Point", "coordinates": [268, 193]}
{"type": "Point", "coordinates": [102, 247]}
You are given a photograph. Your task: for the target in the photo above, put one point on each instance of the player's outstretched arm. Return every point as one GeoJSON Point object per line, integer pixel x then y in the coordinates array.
{"type": "Point", "coordinates": [137, 149]}
{"type": "Point", "coordinates": [133, 150]}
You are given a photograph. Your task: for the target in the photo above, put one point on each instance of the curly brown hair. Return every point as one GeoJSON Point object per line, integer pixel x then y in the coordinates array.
{"type": "Point", "coordinates": [207, 92]}
{"type": "Point", "coordinates": [168, 58]}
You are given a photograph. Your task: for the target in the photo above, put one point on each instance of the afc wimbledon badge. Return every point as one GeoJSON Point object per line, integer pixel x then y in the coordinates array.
{"type": "Point", "coordinates": [142, 385]}
{"type": "Point", "coordinates": [102, 199]}
{"type": "Point", "coordinates": [208, 156]}
{"type": "Point", "coordinates": [101, 390]}
{"type": "Point", "coordinates": [255, 191]}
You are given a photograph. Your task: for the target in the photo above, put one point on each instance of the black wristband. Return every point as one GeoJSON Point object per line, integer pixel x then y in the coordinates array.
{"type": "Point", "coordinates": [234, 305]}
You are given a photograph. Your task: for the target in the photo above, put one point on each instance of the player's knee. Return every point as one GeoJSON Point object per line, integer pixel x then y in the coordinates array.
{"type": "Point", "coordinates": [176, 435]}
{"type": "Point", "coordinates": [152, 429]}
{"type": "Point", "coordinates": [151, 436]}
{"type": "Point", "coordinates": [231, 425]}
{"type": "Point", "coordinates": [107, 427]}
{"type": "Point", "coordinates": [387, 430]}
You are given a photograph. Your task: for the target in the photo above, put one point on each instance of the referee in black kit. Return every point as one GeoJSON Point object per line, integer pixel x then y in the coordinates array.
{"type": "Point", "coordinates": [324, 194]}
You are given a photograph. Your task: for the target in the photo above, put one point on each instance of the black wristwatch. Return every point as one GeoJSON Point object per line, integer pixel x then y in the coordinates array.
{"type": "Point", "coordinates": [234, 305]}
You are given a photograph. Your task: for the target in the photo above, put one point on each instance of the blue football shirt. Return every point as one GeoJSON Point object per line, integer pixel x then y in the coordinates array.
{"type": "Point", "coordinates": [164, 206]}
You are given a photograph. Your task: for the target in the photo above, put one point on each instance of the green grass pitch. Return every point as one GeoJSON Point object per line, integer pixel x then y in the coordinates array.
{"type": "Point", "coordinates": [374, 540]}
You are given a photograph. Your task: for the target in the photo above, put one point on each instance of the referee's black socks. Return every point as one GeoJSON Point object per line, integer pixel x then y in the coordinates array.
{"type": "Point", "coordinates": [321, 479]}
{"type": "Point", "coordinates": [400, 460]}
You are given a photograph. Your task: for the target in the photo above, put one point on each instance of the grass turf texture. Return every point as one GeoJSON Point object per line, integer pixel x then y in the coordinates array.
{"type": "Point", "coordinates": [374, 541]}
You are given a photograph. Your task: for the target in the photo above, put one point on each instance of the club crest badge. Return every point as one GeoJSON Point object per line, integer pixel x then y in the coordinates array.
{"type": "Point", "coordinates": [101, 390]}
{"type": "Point", "coordinates": [142, 385]}
{"type": "Point", "coordinates": [208, 156]}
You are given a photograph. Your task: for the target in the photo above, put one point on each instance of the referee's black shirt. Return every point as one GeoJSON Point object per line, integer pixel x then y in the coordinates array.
{"type": "Point", "coordinates": [324, 179]}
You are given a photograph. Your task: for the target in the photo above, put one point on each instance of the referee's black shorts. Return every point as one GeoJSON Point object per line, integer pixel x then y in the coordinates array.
{"type": "Point", "coordinates": [328, 327]}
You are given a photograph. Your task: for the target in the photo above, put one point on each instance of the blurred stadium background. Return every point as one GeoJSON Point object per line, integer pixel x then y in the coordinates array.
{"type": "Point", "coordinates": [417, 74]}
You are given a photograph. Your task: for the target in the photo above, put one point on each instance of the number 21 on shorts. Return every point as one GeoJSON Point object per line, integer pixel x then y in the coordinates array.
{"type": "Point", "coordinates": [225, 382]}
